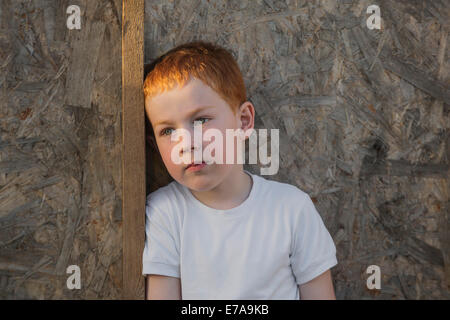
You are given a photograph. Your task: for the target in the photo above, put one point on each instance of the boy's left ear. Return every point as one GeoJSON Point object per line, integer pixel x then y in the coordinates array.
{"type": "Point", "coordinates": [247, 116]}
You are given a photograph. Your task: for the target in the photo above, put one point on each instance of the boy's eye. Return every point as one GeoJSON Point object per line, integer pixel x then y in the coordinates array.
{"type": "Point", "coordinates": [202, 118]}
{"type": "Point", "coordinates": [164, 131]}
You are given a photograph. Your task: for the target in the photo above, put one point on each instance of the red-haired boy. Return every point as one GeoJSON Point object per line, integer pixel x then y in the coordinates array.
{"type": "Point", "coordinates": [219, 231]}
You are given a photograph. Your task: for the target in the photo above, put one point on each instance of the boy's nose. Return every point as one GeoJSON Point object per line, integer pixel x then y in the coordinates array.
{"type": "Point", "coordinates": [190, 146]}
{"type": "Point", "coordinates": [191, 150]}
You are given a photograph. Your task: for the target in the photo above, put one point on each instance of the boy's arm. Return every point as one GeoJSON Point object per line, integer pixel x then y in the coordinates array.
{"type": "Point", "coordinates": [161, 287]}
{"type": "Point", "coordinates": [319, 288]}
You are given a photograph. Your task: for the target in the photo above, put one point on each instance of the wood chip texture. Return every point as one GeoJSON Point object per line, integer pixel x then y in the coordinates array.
{"type": "Point", "coordinates": [60, 149]}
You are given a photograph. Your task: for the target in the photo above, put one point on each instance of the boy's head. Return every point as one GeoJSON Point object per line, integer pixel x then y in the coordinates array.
{"type": "Point", "coordinates": [196, 81]}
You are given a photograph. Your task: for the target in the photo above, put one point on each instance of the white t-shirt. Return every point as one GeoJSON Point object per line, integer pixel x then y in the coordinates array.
{"type": "Point", "coordinates": [262, 249]}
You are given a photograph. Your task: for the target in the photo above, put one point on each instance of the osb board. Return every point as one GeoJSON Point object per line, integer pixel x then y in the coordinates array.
{"type": "Point", "coordinates": [363, 118]}
{"type": "Point", "coordinates": [60, 159]}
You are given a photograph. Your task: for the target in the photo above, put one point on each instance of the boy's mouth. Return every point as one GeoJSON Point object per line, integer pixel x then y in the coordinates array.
{"type": "Point", "coordinates": [195, 166]}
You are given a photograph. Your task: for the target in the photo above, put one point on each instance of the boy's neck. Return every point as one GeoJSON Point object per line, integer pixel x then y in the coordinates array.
{"type": "Point", "coordinates": [230, 193]}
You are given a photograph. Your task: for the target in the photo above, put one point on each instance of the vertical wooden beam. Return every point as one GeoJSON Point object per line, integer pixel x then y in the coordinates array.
{"type": "Point", "coordinates": [133, 156]}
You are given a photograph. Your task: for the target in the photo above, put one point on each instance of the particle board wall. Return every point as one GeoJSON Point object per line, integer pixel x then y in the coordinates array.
{"type": "Point", "coordinates": [363, 118]}
{"type": "Point", "coordinates": [60, 150]}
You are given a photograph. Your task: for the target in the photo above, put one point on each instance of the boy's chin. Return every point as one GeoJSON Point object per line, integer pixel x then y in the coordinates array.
{"type": "Point", "coordinates": [199, 183]}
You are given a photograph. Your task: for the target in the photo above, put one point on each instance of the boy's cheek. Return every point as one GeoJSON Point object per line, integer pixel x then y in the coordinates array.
{"type": "Point", "coordinates": [165, 154]}
{"type": "Point", "coordinates": [166, 157]}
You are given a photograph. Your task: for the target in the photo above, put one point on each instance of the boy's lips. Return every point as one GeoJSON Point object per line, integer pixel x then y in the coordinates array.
{"type": "Point", "coordinates": [196, 165]}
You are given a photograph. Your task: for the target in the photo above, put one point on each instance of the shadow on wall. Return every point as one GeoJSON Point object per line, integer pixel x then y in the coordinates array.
{"type": "Point", "coordinates": [156, 174]}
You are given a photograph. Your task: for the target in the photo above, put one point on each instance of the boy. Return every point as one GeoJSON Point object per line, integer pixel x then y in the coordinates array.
{"type": "Point", "coordinates": [219, 231]}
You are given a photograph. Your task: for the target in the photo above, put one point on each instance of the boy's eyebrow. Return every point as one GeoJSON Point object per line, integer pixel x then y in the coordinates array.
{"type": "Point", "coordinates": [190, 114]}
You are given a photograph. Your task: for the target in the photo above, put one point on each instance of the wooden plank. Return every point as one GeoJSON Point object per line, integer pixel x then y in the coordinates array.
{"type": "Point", "coordinates": [133, 157]}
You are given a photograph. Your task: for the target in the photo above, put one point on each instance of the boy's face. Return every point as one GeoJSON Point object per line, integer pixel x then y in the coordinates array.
{"type": "Point", "coordinates": [178, 109]}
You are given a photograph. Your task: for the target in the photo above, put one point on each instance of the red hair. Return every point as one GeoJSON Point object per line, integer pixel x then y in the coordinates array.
{"type": "Point", "coordinates": [210, 63]}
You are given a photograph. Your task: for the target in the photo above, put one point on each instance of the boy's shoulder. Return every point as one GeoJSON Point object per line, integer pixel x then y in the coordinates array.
{"type": "Point", "coordinates": [279, 190]}
{"type": "Point", "coordinates": [163, 196]}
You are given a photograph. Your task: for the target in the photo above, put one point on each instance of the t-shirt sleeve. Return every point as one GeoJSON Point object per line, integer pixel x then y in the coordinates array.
{"type": "Point", "coordinates": [313, 250]}
{"type": "Point", "coordinates": [161, 254]}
